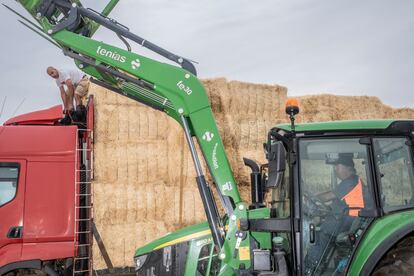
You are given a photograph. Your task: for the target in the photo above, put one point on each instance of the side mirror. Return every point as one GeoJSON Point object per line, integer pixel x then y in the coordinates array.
{"type": "Point", "coordinates": [277, 164]}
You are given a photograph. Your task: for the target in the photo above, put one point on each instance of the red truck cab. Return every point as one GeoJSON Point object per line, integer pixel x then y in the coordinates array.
{"type": "Point", "coordinates": [42, 167]}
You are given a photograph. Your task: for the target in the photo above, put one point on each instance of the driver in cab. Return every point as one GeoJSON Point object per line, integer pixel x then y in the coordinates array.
{"type": "Point", "coordinates": [350, 188]}
{"type": "Point", "coordinates": [347, 198]}
{"type": "Point", "coordinates": [345, 201]}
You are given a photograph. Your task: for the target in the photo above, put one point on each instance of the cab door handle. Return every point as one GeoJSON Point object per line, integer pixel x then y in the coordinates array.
{"type": "Point", "coordinates": [312, 233]}
{"type": "Point", "coordinates": [15, 232]}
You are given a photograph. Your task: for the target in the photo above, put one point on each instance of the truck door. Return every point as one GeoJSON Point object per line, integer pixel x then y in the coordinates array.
{"type": "Point", "coordinates": [12, 193]}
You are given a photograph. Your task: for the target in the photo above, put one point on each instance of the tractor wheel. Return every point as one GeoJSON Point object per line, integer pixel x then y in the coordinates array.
{"type": "Point", "coordinates": [399, 260]}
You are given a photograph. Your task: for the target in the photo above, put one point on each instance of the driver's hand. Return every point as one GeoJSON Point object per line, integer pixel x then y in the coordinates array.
{"type": "Point", "coordinates": [327, 196]}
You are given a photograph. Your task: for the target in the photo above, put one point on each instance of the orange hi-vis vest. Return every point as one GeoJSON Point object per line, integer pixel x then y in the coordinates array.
{"type": "Point", "coordinates": [355, 199]}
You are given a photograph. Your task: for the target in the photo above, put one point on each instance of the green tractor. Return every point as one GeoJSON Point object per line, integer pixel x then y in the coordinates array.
{"type": "Point", "coordinates": [305, 226]}
{"type": "Point", "coordinates": [334, 198]}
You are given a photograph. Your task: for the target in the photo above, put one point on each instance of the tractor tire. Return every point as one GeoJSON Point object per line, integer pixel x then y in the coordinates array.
{"type": "Point", "coordinates": [399, 260]}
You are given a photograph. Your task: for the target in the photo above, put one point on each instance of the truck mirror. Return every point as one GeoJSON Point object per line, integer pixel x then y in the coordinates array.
{"type": "Point", "coordinates": [277, 164]}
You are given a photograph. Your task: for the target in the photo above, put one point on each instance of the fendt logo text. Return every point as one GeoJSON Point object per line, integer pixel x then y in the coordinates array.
{"type": "Point", "coordinates": [113, 55]}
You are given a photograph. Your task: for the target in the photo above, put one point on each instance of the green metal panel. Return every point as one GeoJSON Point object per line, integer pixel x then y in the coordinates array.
{"type": "Point", "coordinates": [200, 234]}
{"type": "Point", "coordinates": [208, 137]}
{"type": "Point", "coordinates": [339, 125]}
{"type": "Point", "coordinates": [30, 5]}
{"type": "Point", "coordinates": [109, 7]}
{"type": "Point", "coordinates": [182, 235]}
{"type": "Point", "coordinates": [202, 230]}
{"type": "Point", "coordinates": [378, 232]}
{"type": "Point", "coordinates": [194, 252]}
{"type": "Point", "coordinates": [166, 78]}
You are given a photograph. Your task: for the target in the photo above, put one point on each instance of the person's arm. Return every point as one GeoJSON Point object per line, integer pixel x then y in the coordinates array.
{"type": "Point", "coordinates": [64, 98]}
{"type": "Point", "coordinates": [71, 87]}
{"type": "Point", "coordinates": [327, 196]}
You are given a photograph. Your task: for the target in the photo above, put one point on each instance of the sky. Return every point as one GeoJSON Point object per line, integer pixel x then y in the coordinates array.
{"type": "Point", "coordinates": [310, 46]}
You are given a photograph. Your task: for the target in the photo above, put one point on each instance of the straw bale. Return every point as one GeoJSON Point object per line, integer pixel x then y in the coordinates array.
{"type": "Point", "coordinates": [326, 107]}
{"type": "Point", "coordinates": [144, 183]}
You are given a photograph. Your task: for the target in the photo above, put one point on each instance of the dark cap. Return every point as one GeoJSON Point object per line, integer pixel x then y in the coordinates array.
{"type": "Point", "coordinates": [345, 159]}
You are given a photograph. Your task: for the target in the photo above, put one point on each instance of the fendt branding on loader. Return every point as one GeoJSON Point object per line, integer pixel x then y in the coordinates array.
{"type": "Point", "coordinates": [335, 198]}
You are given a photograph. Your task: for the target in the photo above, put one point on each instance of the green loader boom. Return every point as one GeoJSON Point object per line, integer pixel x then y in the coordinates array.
{"type": "Point", "coordinates": [175, 90]}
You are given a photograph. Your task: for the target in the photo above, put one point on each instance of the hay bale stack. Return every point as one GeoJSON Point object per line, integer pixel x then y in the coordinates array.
{"type": "Point", "coordinates": [327, 107]}
{"type": "Point", "coordinates": [135, 186]}
{"type": "Point", "coordinates": [144, 182]}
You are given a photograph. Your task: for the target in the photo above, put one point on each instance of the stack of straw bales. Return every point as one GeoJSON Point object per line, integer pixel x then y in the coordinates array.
{"type": "Point", "coordinates": [144, 182]}
{"type": "Point", "coordinates": [327, 107]}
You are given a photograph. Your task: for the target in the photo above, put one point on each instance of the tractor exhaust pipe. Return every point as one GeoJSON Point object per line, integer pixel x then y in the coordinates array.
{"type": "Point", "coordinates": [256, 184]}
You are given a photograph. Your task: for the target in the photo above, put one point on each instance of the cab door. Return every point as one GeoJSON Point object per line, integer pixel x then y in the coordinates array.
{"type": "Point", "coordinates": [331, 225]}
{"type": "Point", "coordinates": [12, 194]}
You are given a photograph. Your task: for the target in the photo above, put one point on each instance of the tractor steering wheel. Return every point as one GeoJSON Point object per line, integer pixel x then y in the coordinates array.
{"type": "Point", "coordinates": [315, 207]}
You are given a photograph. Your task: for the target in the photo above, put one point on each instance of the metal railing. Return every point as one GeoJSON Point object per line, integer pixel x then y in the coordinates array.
{"type": "Point", "coordinates": [83, 229]}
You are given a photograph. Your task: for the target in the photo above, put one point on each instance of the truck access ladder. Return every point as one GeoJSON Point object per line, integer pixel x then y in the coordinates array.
{"type": "Point", "coordinates": [83, 232]}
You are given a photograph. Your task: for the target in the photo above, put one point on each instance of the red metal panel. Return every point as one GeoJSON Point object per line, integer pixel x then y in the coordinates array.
{"type": "Point", "coordinates": [42, 117]}
{"type": "Point", "coordinates": [11, 215]}
{"type": "Point", "coordinates": [38, 143]}
{"type": "Point", "coordinates": [10, 253]}
{"type": "Point", "coordinates": [47, 212]}
{"type": "Point", "coordinates": [49, 206]}
{"type": "Point", "coordinates": [47, 250]}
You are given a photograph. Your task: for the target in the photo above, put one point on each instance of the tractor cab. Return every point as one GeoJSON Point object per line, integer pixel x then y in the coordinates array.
{"type": "Point", "coordinates": [336, 180]}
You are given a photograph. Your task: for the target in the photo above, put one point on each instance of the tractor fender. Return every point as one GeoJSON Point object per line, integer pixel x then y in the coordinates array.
{"type": "Point", "coordinates": [379, 238]}
{"type": "Point", "coordinates": [32, 264]}
{"type": "Point", "coordinates": [384, 247]}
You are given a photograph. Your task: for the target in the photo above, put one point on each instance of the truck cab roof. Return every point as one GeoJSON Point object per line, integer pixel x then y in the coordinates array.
{"type": "Point", "coordinates": [48, 116]}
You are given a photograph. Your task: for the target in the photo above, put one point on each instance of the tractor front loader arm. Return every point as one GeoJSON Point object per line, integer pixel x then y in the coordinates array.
{"type": "Point", "coordinates": [174, 90]}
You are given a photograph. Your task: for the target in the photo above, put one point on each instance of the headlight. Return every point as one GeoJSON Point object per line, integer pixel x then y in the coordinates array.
{"type": "Point", "coordinates": [139, 261]}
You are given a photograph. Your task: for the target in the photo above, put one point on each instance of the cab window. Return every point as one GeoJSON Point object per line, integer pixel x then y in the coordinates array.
{"type": "Point", "coordinates": [8, 182]}
{"type": "Point", "coordinates": [395, 173]}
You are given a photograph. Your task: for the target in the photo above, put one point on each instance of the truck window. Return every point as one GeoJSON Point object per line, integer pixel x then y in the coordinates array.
{"type": "Point", "coordinates": [8, 182]}
{"type": "Point", "coordinates": [395, 173]}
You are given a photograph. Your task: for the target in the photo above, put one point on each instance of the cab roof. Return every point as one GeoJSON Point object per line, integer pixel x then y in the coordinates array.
{"type": "Point", "coordinates": [386, 125]}
{"type": "Point", "coordinates": [48, 116]}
